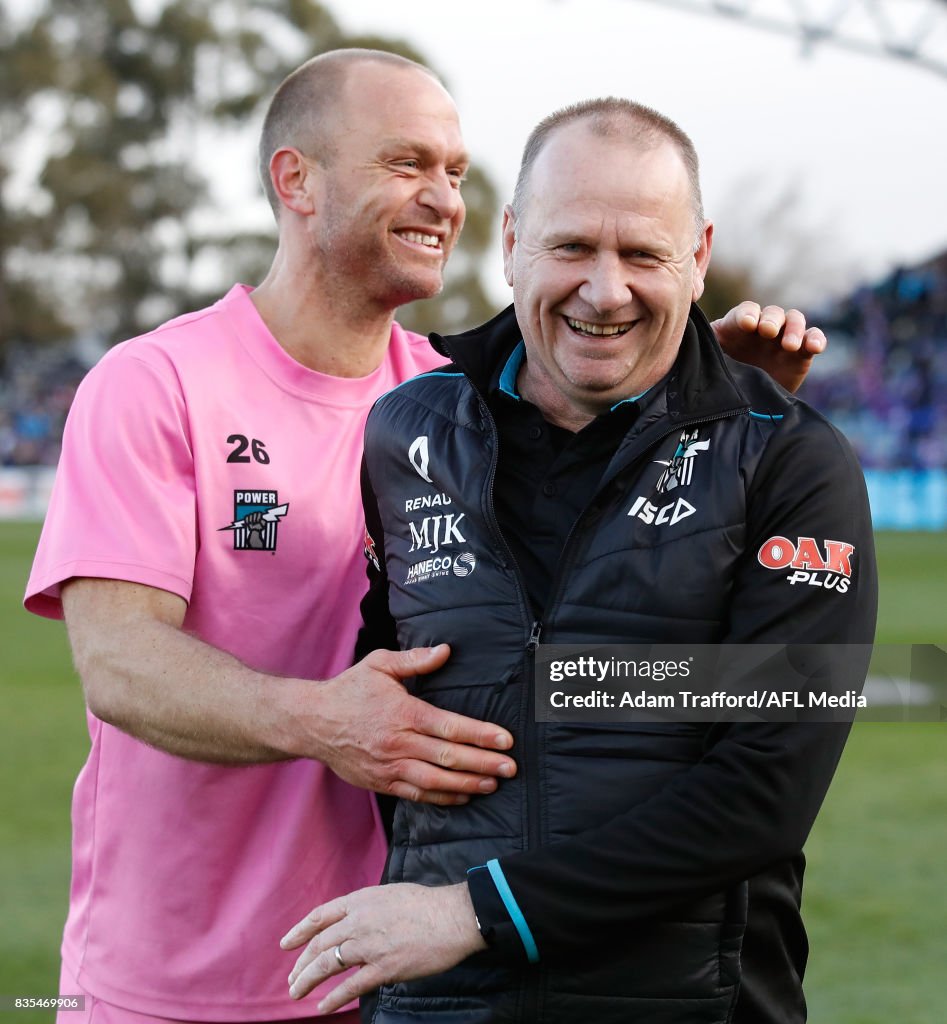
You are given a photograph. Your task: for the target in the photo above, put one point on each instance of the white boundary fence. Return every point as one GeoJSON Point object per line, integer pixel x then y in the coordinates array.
{"type": "Point", "coordinates": [24, 491]}
{"type": "Point", "coordinates": [908, 499]}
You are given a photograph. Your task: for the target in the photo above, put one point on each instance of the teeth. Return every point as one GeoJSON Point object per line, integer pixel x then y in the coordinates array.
{"type": "Point", "coordinates": [607, 330]}
{"type": "Point", "coordinates": [415, 236]}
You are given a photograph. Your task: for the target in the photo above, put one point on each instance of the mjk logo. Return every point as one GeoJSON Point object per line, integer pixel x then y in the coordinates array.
{"type": "Point", "coordinates": [437, 532]}
{"type": "Point", "coordinates": [418, 457]}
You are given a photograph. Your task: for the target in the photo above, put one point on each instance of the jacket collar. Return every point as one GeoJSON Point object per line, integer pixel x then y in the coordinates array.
{"type": "Point", "coordinates": [700, 383]}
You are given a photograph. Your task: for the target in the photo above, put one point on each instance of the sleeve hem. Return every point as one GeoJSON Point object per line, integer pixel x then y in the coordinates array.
{"type": "Point", "coordinates": [43, 594]}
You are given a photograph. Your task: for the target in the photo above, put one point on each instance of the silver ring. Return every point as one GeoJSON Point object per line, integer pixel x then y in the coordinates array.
{"type": "Point", "coordinates": [338, 957]}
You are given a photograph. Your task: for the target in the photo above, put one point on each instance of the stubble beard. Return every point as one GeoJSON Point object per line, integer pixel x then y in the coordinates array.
{"type": "Point", "coordinates": [368, 271]}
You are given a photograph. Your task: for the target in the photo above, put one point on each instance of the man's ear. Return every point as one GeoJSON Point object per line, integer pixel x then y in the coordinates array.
{"type": "Point", "coordinates": [291, 175]}
{"type": "Point", "coordinates": [702, 259]}
{"type": "Point", "coordinates": [508, 233]}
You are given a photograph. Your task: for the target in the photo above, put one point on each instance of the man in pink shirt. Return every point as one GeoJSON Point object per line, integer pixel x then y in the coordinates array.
{"type": "Point", "coordinates": [204, 546]}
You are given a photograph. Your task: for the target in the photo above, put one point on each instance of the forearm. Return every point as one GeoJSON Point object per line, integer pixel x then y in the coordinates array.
{"type": "Point", "coordinates": [189, 699]}
{"type": "Point", "coordinates": [142, 673]}
{"type": "Point", "coordinates": [149, 678]}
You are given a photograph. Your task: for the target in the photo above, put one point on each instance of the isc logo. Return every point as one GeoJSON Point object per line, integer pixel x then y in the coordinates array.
{"type": "Point", "coordinates": [671, 513]}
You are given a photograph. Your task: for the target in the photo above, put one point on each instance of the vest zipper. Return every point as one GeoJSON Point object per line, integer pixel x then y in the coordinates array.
{"type": "Point", "coordinates": [529, 765]}
{"type": "Point", "coordinates": [528, 762]}
{"type": "Point", "coordinates": [534, 992]}
{"type": "Point", "coordinates": [534, 634]}
{"type": "Point", "coordinates": [537, 985]}
{"type": "Point", "coordinates": [531, 740]}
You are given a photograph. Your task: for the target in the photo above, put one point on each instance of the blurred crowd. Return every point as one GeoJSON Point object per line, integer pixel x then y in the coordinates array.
{"type": "Point", "coordinates": [885, 386]}
{"type": "Point", "coordinates": [883, 382]}
{"type": "Point", "coordinates": [36, 389]}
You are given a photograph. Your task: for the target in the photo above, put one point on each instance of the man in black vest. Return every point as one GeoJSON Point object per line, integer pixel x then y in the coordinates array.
{"type": "Point", "coordinates": [591, 469]}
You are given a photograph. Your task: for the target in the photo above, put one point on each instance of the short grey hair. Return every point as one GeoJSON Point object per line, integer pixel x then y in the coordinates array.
{"type": "Point", "coordinates": [610, 117]}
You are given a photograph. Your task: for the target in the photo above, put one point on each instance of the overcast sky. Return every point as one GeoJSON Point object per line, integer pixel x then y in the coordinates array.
{"type": "Point", "coordinates": [862, 140]}
{"type": "Point", "coordinates": [850, 149]}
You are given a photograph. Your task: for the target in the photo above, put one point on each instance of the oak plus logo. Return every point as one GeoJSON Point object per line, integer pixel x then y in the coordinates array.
{"type": "Point", "coordinates": [826, 564]}
{"type": "Point", "coordinates": [419, 458]}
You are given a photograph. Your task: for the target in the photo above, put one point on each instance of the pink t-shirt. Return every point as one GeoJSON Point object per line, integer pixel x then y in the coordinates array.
{"type": "Point", "coordinates": [185, 875]}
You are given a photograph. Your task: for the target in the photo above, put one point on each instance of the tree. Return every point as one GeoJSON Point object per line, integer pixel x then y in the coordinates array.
{"type": "Point", "coordinates": [118, 136]}
{"type": "Point", "coordinates": [771, 244]}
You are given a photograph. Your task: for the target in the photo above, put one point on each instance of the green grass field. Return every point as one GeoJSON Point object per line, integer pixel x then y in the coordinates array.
{"type": "Point", "coordinates": [875, 893]}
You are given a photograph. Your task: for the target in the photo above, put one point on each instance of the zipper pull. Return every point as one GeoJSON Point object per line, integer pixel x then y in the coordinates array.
{"type": "Point", "coordinates": [533, 642]}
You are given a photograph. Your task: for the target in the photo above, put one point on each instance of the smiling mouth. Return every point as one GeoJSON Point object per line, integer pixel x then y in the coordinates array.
{"type": "Point", "coordinates": [431, 242]}
{"type": "Point", "coordinates": [590, 330]}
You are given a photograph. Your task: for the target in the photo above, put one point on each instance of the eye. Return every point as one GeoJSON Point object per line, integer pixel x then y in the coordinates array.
{"type": "Point", "coordinates": [643, 258]}
{"type": "Point", "coordinates": [408, 163]}
{"type": "Point", "coordinates": [572, 248]}
{"type": "Point", "coordinates": [457, 176]}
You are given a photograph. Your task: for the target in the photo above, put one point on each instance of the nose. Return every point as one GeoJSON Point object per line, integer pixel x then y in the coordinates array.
{"type": "Point", "coordinates": [441, 194]}
{"type": "Point", "coordinates": [607, 286]}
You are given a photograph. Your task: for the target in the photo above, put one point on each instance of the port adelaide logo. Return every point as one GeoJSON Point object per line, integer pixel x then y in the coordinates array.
{"type": "Point", "coordinates": [678, 473]}
{"type": "Point", "coordinates": [256, 519]}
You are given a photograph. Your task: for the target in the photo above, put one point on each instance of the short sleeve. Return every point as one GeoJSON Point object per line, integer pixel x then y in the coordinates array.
{"type": "Point", "coordinates": [123, 504]}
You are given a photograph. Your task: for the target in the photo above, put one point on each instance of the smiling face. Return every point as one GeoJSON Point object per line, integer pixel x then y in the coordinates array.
{"type": "Point", "coordinates": [602, 264]}
{"type": "Point", "coordinates": [388, 203]}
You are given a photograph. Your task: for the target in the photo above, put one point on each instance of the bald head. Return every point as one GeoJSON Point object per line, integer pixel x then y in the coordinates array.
{"type": "Point", "coordinates": [304, 110]}
{"type": "Point", "coordinates": [624, 121]}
